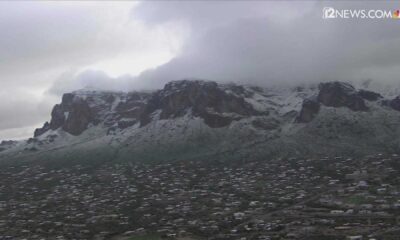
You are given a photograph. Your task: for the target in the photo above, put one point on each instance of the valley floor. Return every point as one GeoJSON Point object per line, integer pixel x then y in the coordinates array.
{"type": "Point", "coordinates": [328, 198]}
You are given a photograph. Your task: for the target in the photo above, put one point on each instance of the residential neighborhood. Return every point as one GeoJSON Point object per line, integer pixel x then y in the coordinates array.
{"type": "Point", "coordinates": [324, 198]}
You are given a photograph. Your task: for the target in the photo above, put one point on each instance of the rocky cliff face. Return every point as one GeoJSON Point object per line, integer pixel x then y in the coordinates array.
{"type": "Point", "coordinates": [338, 94]}
{"type": "Point", "coordinates": [72, 115]}
{"type": "Point", "coordinates": [197, 118]}
{"type": "Point", "coordinates": [395, 103]}
{"type": "Point", "coordinates": [207, 100]}
{"type": "Point", "coordinates": [217, 105]}
{"type": "Point", "coordinates": [309, 110]}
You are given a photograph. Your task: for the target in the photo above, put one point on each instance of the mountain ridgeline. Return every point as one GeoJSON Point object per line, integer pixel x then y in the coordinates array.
{"type": "Point", "coordinates": [206, 120]}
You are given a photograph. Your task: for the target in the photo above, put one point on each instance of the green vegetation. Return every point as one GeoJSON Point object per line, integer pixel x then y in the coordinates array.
{"type": "Point", "coordinates": [357, 200]}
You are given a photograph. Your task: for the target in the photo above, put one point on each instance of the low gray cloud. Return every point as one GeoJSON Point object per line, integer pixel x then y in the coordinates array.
{"type": "Point", "coordinates": [254, 45]}
{"type": "Point", "coordinates": [90, 80]}
{"type": "Point", "coordinates": [268, 43]}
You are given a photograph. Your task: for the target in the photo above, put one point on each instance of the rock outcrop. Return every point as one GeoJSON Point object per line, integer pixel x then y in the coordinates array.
{"type": "Point", "coordinates": [218, 107]}
{"type": "Point", "coordinates": [73, 115]}
{"type": "Point", "coordinates": [202, 99]}
{"type": "Point", "coordinates": [309, 110]}
{"type": "Point", "coordinates": [336, 94]}
{"type": "Point", "coordinates": [369, 95]}
{"type": "Point", "coordinates": [42, 130]}
{"type": "Point", "coordinates": [340, 94]}
{"type": "Point", "coordinates": [395, 103]}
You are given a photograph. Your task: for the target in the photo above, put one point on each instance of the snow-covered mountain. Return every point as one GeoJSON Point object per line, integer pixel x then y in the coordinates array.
{"type": "Point", "coordinates": [205, 120]}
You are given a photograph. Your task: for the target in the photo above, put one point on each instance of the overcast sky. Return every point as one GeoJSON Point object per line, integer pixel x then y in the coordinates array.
{"type": "Point", "coordinates": [48, 48]}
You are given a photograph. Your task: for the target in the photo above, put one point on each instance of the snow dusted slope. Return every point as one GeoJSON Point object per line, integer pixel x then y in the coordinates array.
{"type": "Point", "coordinates": [203, 119]}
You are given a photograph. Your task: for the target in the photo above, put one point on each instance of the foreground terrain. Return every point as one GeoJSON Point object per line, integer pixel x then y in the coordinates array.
{"type": "Point", "coordinates": [321, 198]}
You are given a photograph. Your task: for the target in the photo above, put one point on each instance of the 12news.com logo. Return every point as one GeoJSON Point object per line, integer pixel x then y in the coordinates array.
{"type": "Point", "coordinates": [332, 13]}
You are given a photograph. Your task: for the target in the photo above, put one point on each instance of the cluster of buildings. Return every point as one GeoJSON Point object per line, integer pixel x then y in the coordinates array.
{"type": "Point", "coordinates": [326, 198]}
